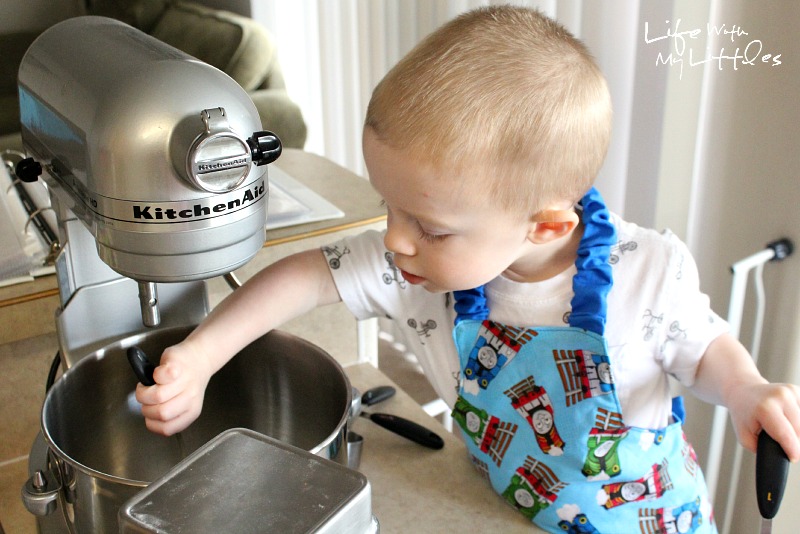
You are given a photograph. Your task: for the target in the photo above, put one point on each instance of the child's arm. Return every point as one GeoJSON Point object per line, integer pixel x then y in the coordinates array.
{"type": "Point", "coordinates": [280, 292]}
{"type": "Point", "coordinates": [728, 376]}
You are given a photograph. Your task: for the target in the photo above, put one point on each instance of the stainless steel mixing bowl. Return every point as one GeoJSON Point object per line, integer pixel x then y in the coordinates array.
{"type": "Point", "coordinates": [280, 385]}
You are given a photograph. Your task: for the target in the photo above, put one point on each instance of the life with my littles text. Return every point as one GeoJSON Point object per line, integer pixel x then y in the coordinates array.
{"type": "Point", "coordinates": [744, 51]}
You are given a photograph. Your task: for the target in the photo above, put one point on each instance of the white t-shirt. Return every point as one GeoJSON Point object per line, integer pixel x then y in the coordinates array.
{"type": "Point", "coordinates": [658, 322]}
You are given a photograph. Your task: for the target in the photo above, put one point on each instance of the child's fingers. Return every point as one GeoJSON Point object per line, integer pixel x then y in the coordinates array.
{"type": "Point", "coordinates": [171, 426]}
{"type": "Point", "coordinates": [167, 373]}
{"type": "Point", "coordinates": [791, 440]}
{"type": "Point", "coordinates": [793, 408]}
{"type": "Point", "coordinates": [165, 411]}
{"type": "Point", "coordinates": [167, 385]}
{"type": "Point", "coordinates": [173, 415]}
{"type": "Point", "coordinates": [787, 438]}
{"type": "Point", "coordinates": [782, 422]}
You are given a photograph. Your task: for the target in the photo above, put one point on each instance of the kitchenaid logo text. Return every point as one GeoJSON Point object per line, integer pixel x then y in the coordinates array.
{"type": "Point", "coordinates": [208, 167]}
{"type": "Point", "coordinates": [145, 212]}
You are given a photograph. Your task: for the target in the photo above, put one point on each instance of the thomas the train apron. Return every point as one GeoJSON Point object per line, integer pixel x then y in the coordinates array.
{"type": "Point", "coordinates": [543, 423]}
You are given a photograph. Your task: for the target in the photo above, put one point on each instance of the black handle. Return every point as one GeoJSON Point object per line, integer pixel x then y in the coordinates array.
{"type": "Point", "coordinates": [772, 468]}
{"type": "Point", "coordinates": [407, 429]}
{"type": "Point", "coordinates": [141, 366]}
{"type": "Point", "coordinates": [376, 395]}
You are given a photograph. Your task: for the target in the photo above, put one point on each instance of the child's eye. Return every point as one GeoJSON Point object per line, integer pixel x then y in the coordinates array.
{"type": "Point", "coordinates": [429, 237]}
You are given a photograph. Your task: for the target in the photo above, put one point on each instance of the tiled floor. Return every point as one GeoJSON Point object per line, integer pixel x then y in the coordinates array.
{"type": "Point", "coordinates": [25, 365]}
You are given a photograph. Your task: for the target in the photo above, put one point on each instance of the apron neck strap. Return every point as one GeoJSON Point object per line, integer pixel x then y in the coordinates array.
{"type": "Point", "coordinates": [593, 280]}
{"type": "Point", "coordinates": [590, 284]}
{"type": "Point", "coordinates": [470, 304]}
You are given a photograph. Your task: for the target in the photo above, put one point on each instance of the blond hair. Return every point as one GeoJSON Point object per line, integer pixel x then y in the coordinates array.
{"type": "Point", "coordinates": [505, 90]}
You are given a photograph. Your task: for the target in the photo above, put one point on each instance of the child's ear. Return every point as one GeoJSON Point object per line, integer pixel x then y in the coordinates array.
{"type": "Point", "coordinates": [549, 225]}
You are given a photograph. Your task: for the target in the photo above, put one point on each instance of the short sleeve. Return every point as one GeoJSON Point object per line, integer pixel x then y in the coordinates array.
{"type": "Point", "coordinates": [690, 325]}
{"type": "Point", "coordinates": [370, 285]}
{"type": "Point", "coordinates": [356, 264]}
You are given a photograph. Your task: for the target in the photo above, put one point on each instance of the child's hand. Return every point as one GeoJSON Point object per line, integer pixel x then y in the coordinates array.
{"type": "Point", "coordinates": [282, 291]}
{"type": "Point", "coordinates": [774, 408]}
{"type": "Point", "coordinates": [728, 376]}
{"type": "Point", "coordinates": [176, 399]}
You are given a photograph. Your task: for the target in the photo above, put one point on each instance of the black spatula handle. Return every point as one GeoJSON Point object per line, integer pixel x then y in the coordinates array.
{"type": "Point", "coordinates": [772, 468]}
{"type": "Point", "coordinates": [142, 366]}
{"type": "Point", "coordinates": [376, 395]}
{"type": "Point", "coordinates": [407, 429]}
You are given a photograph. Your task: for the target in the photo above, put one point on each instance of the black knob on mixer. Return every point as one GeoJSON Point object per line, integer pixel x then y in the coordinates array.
{"type": "Point", "coordinates": [265, 147]}
{"type": "Point", "coordinates": [28, 170]}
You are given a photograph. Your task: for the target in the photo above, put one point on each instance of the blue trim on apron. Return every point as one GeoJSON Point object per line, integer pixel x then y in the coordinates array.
{"type": "Point", "coordinates": [593, 281]}
{"type": "Point", "coordinates": [591, 284]}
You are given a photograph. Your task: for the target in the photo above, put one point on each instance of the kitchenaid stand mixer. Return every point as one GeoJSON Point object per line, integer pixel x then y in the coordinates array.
{"type": "Point", "coordinates": [154, 163]}
{"type": "Point", "coordinates": [155, 167]}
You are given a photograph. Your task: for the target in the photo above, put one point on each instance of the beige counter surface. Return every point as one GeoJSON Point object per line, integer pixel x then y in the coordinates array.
{"type": "Point", "coordinates": [415, 489]}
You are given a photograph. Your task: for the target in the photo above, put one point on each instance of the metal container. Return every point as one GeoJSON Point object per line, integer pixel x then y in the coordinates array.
{"type": "Point", "coordinates": [218, 489]}
{"type": "Point", "coordinates": [280, 386]}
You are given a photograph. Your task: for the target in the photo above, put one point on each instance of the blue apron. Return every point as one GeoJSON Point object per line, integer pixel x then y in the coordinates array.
{"type": "Point", "coordinates": [543, 423]}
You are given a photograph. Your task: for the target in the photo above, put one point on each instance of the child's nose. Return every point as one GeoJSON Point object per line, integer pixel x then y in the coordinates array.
{"type": "Point", "coordinates": [399, 239]}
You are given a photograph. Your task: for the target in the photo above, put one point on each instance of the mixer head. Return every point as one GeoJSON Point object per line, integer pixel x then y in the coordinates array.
{"type": "Point", "coordinates": [158, 154]}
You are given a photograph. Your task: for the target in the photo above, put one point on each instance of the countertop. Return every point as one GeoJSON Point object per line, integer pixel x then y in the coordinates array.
{"type": "Point", "coordinates": [415, 489]}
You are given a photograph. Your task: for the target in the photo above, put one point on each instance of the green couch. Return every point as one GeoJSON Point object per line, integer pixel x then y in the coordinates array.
{"type": "Point", "coordinates": [13, 47]}
{"type": "Point", "coordinates": [237, 45]}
